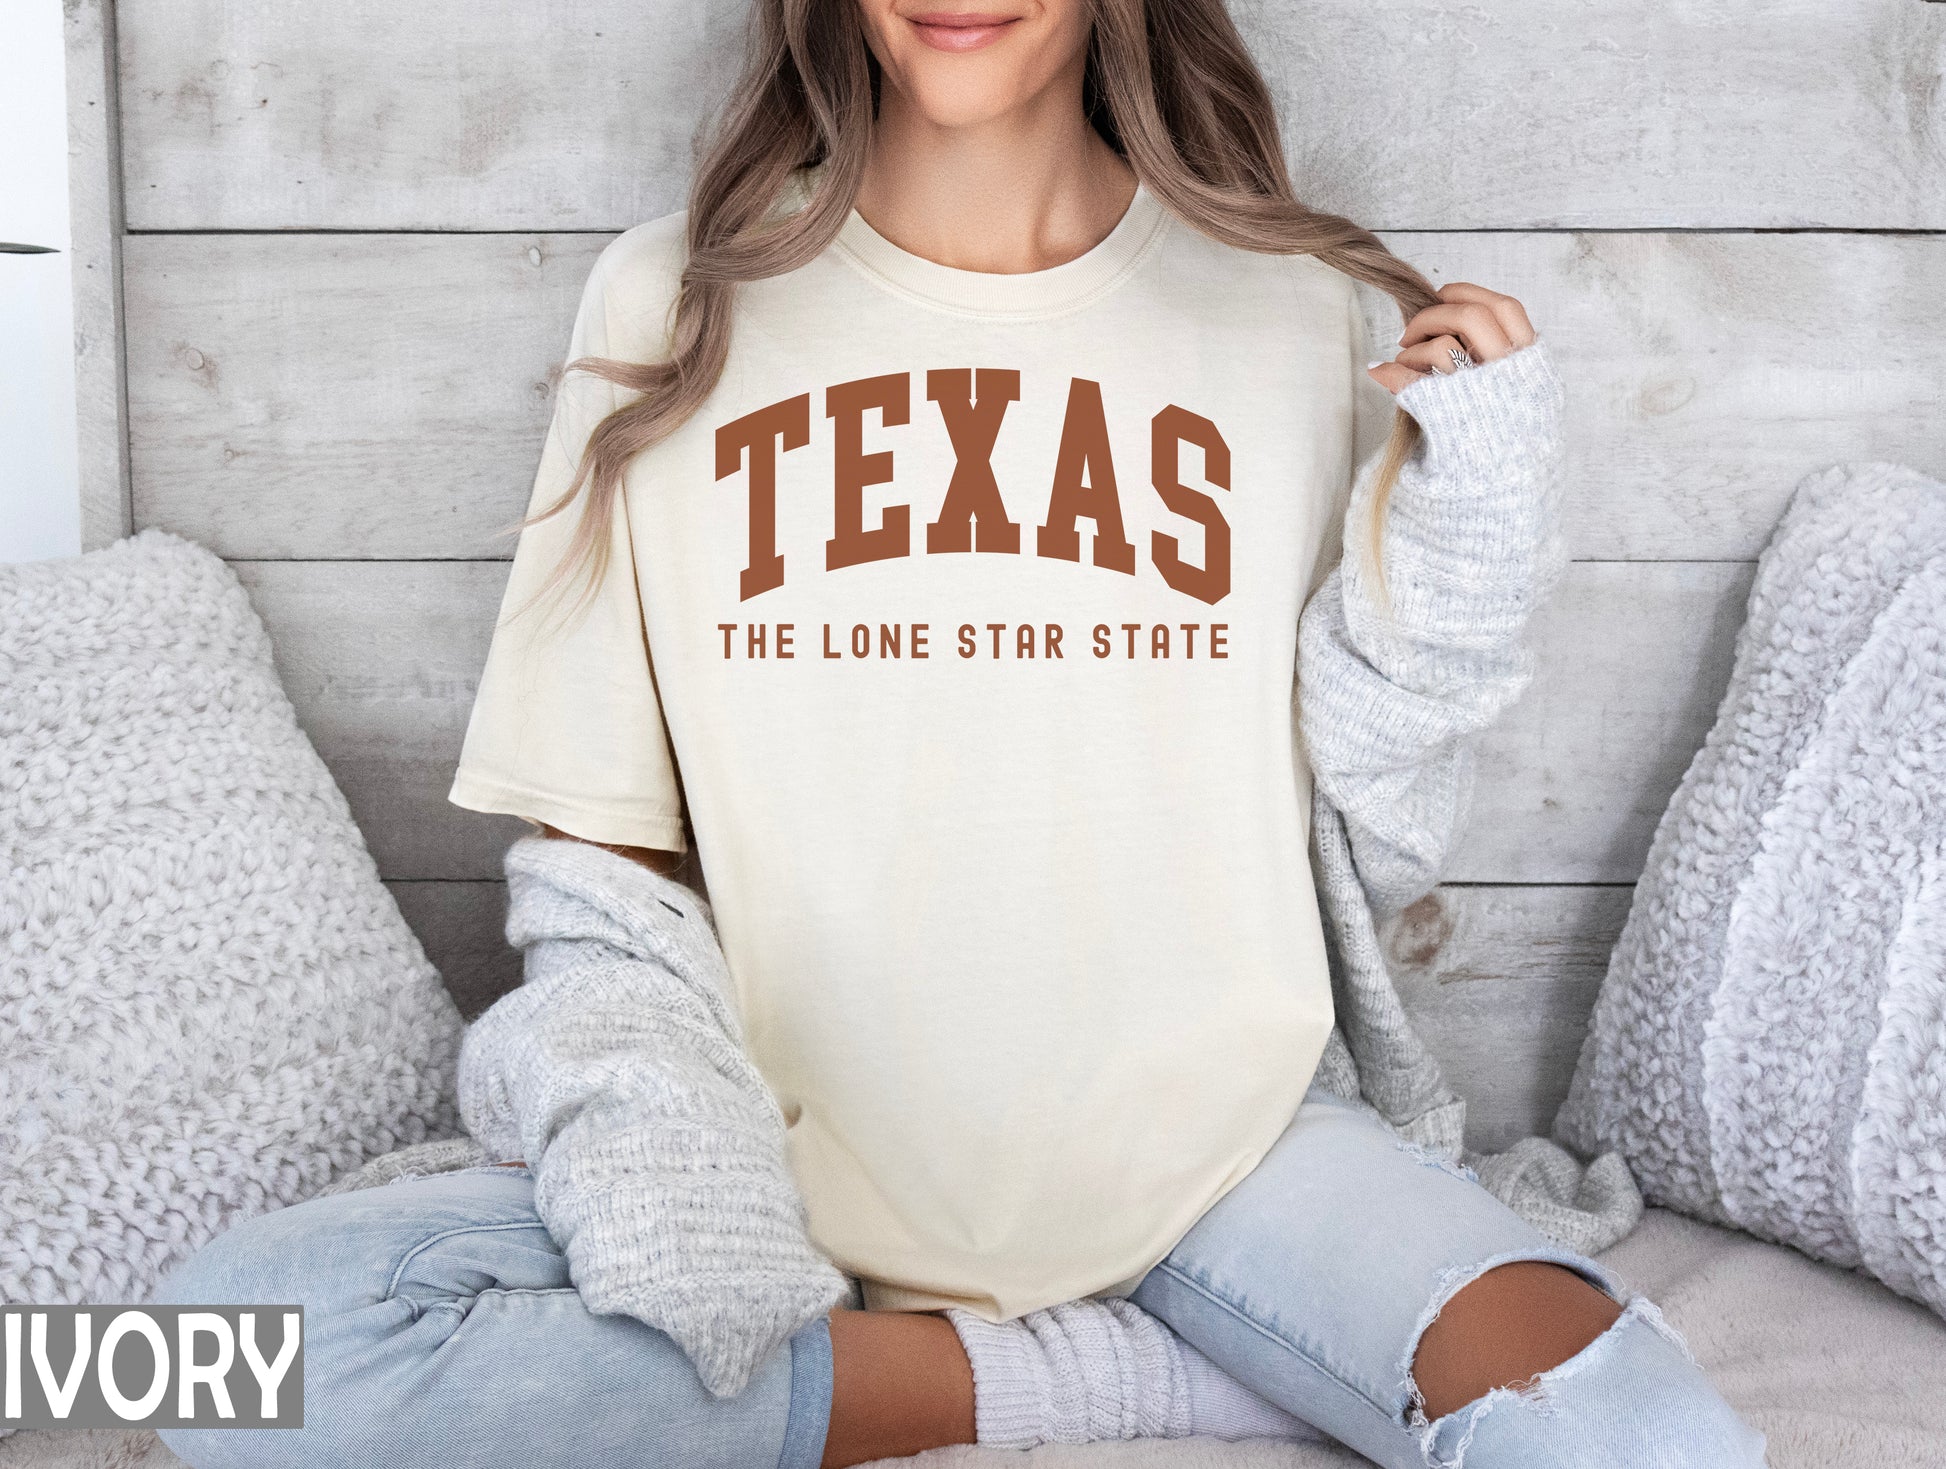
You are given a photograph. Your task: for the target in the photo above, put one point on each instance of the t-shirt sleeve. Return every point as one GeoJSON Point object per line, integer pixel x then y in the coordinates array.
{"type": "Point", "coordinates": [566, 727]}
{"type": "Point", "coordinates": [1372, 409]}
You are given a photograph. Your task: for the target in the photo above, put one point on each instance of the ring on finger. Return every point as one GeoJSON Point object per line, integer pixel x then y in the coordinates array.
{"type": "Point", "coordinates": [1461, 358]}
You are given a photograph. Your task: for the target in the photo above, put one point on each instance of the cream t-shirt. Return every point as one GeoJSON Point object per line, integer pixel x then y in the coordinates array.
{"type": "Point", "coordinates": [961, 620]}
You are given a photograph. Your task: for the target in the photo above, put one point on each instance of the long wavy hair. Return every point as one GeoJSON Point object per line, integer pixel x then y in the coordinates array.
{"type": "Point", "coordinates": [1170, 87]}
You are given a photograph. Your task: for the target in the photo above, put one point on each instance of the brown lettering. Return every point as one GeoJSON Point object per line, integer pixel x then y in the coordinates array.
{"type": "Point", "coordinates": [1084, 484]}
{"type": "Point", "coordinates": [853, 470]}
{"type": "Point", "coordinates": [1169, 430]}
{"type": "Point", "coordinates": [973, 493]}
{"type": "Point", "coordinates": [758, 435]}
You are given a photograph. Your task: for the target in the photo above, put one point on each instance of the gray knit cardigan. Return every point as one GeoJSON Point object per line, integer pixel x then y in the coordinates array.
{"type": "Point", "coordinates": [1393, 683]}
{"type": "Point", "coordinates": [617, 1069]}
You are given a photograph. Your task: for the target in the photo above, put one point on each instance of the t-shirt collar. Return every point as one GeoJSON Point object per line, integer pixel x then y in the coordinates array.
{"type": "Point", "coordinates": [1058, 288]}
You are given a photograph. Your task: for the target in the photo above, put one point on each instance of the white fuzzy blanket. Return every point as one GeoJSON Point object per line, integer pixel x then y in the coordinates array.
{"type": "Point", "coordinates": [1834, 1368]}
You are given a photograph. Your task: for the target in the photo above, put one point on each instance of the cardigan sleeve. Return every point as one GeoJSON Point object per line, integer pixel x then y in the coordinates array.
{"type": "Point", "coordinates": [1393, 682]}
{"type": "Point", "coordinates": [617, 1070]}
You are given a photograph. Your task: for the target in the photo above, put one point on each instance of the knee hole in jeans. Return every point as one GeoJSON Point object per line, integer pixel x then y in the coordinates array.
{"type": "Point", "coordinates": [1504, 1326]}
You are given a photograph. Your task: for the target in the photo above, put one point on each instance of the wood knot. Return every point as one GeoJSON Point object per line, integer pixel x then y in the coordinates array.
{"type": "Point", "coordinates": [1420, 932]}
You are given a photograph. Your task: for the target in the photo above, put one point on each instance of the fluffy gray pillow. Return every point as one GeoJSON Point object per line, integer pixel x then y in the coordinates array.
{"type": "Point", "coordinates": [1769, 1047]}
{"type": "Point", "coordinates": [209, 1004]}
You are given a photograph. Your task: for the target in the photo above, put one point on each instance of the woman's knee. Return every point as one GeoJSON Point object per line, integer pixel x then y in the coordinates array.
{"type": "Point", "coordinates": [367, 1270]}
{"type": "Point", "coordinates": [344, 1251]}
{"type": "Point", "coordinates": [1506, 1325]}
{"type": "Point", "coordinates": [279, 1259]}
{"type": "Point", "coordinates": [1567, 1374]}
{"type": "Point", "coordinates": [262, 1260]}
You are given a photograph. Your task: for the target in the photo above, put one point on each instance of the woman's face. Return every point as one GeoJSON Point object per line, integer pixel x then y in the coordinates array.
{"type": "Point", "coordinates": [960, 63]}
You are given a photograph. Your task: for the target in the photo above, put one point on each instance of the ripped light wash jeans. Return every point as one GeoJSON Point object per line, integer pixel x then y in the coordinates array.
{"type": "Point", "coordinates": [1312, 1280]}
{"type": "Point", "coordinates": [441, 1328]}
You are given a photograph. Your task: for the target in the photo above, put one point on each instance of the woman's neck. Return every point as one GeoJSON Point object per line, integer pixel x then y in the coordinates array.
{"type": "Point", "coordinates": [1022, 192]}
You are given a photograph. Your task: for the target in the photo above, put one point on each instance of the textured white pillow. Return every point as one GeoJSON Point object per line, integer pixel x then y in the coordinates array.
{"type": "Point", "coordinates": [1769, 1047]}
{"type": "Point", "coordinates": [209, 1004]}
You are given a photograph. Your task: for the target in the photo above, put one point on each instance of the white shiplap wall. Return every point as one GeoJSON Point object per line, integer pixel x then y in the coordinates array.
{"type": "Point", "coordinates": [356, 233]}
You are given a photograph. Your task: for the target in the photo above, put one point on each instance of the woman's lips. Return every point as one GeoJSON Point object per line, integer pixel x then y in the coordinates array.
{"type": "Point", "coordinates": [960, 31]}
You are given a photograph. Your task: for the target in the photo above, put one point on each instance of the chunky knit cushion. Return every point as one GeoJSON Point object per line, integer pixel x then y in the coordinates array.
{"type": "Point", "coordinates": [209, 1004]}
{"type": "Point", "coordinates": [1769, 1047]}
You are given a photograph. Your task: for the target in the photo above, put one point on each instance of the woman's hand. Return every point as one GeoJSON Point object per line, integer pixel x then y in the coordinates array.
{"type": "Point", "coordinates": [1483, 323]}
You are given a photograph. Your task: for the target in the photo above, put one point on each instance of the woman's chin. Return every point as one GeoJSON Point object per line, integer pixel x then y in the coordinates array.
{"type": "Point", "coordinates": [962, 98]}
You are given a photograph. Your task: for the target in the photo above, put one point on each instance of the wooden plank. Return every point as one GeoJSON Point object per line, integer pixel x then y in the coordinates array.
{"type": "Point", "coordinates": [1707, 374]}
{"type": "Point", "coordinates": [95, 233]}
{"type": "Point", "coordinates": [447, 114]}
{"type": "Point", "coordinates": [1632, 661]}
{"type": "Point", "coordinates": [345, 396]}
{"type": "Point", "coordinates": [463, 928]}
{"type": "Point", "coordinates": [1500, 981]}
{"type": "Point", "coordinates": [384, 396]}
{"type": "Point", "coordinates": [381, 660]}
{"type": "Point", "coordinates": [1444, 114]}
{"type": "Point", "coordinates": [494, 114]}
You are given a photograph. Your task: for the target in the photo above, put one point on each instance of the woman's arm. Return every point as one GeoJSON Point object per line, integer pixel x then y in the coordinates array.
{"type": "Point", "coordinates": [1393, 681]}
{"type": "Point", "coordinates": [656, 859]}
{"type": "Point", "coordinates": [618, 1071]}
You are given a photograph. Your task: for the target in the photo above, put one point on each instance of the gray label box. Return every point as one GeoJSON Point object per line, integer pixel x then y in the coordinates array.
{"type": "Point", "coordinates": [151, 1366]}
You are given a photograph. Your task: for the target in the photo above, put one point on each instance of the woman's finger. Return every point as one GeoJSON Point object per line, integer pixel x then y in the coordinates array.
{"type": "Point", "coordinates": [1392, 376]}
{"type": "Point", "coordinates": [1432, 356]}
{"type": "Point", "coordinates": [1477, 328]}
{"type": "Point", "coordinates": [1511, 315]}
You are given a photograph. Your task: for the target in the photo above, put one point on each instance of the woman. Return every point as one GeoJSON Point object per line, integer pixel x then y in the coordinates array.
{"type": "Point", "coordinates": [944, 489]}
